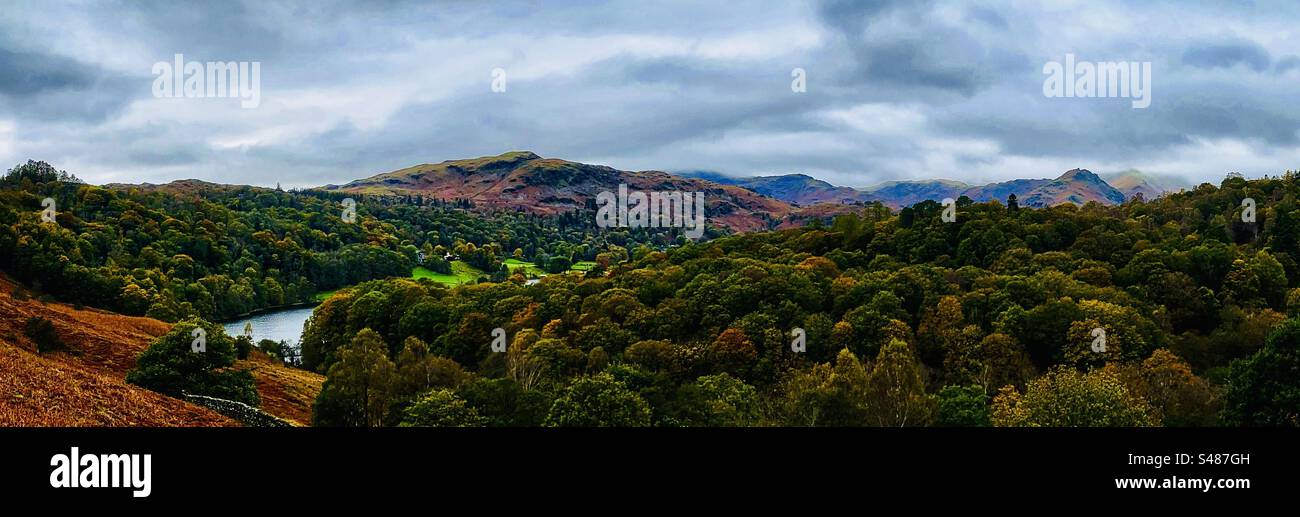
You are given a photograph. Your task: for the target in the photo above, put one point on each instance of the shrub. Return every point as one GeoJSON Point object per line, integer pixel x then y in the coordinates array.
{"type": "Point", "coordinates": [170, 365]}
{"type": "Point", "coordinates": [41, 331]}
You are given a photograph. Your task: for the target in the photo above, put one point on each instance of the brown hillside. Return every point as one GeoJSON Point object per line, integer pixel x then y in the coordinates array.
{"type": "Point", "coordinates": [85, 385]}
{"type": "Point", "coordinates": [525, 181]}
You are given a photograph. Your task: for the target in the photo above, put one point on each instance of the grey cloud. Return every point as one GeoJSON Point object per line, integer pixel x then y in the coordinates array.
{"type": "Point", "coordinates": [1286, 64]}
{"type": "Point", "coordinates": [968, 70]}
{"type": "Point", "coordinates": [1227, 55]}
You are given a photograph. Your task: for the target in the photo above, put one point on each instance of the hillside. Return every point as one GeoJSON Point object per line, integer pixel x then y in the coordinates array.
{"type": "Point", "coordinates": [1133, 182]}
{"type": "Point", "coordinates": [1076, 186]}
{"type": "Point", "coordinates": [796, 189]}
{"type": "Point", "coordinates": [85, 384]}
{"type": "Point", "coordinates": [898, 194]}
{"type": "Point", "coordinates": [525, 181]}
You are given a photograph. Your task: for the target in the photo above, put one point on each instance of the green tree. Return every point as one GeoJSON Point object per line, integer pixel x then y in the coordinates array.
{"type": "Point", "coordinates": [827, 395]}
{"type": "Point", "coordinates": [963, 406]}
{"type": "Point", "coordinates": [504, 403]}
{"type": "Point", "coordinates": [896, 395]}
{"type": "Point", "coordinates": [723, 401]}
{"type": "Point", "coordinates": [1264, 389]}
{"type": "Point", "coordinates": [358, 389]}
{"type": "Point", "coordinates": [441, 408]}
{"type": "Point", "coordinates": [598, 401]}
{"type": "Point", "coordinates": [175, 364]}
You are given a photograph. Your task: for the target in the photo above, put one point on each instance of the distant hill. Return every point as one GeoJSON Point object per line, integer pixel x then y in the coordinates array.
{"type": "Point", "coordinates": [1132, 182]}
{"type": "Point", "coordinates": [186, 186]}
{"type": "Point", "coordinates": [898, 194]}
{"type": "Point", "coordinates": [1000, 191]}
{"type": "Point", "coordinates": [796, 189]}
{"type": "Point", "coordinates": [525, 181]}
{"type": "Point", "coordinates": [1077, 186]}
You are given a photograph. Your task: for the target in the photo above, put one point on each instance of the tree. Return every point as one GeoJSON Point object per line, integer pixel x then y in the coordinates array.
{"type": "Point", "coordinates": [504, 403]}
{"type": "Point", "coordinates": [963, 406]}
{"type": "Point", "coordinates": [418, 371]}
{"type": "Point", "coordinates": [1065, 397]}
{"type": "Point", "coordinates": [896, 396]}
{"type": "Point", "coordinates": [732, 352]}
{"type": "Point", "coordinates": [598, 401]}
{"type": "Point", "coordinates": [358, 388]}
{"type": "Point", "coordinates": [827, 395]}
{"type": "Point", "coordinates": [1264, 389]}
{"type": "Point", "coordinates": [723, 401]}
{"type": "Point", "coordinates": [175, 365]}
{"type": "Point", "coordinates": [441, 408]}
{"type": "Point", "coordinates": [652, 355]}
{"type": "Point", "coordinates": [1167, 383]}
{"type": "Point", "coordinates": [1004, 362]}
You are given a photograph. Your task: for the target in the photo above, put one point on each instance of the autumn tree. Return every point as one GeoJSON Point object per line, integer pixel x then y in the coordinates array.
{"type": "Point", "coordinates": [896, 394]}
{"type": "Point", "coordinates": [732, 352]}
{"type": "Point", "coordinates": [827, 395]}
{"type": "Point", "coordinates": [1065, 397]}
{"type": "Point", "coordinates": [1167, 383]}
{"type": "Point", "coordinates": [1003, 362]}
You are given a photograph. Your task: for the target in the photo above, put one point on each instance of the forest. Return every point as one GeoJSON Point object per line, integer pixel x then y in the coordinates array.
{"type": "Point", "coordinates": [990, 320]}
{"type": "Point", "coordinates": [217, 251]}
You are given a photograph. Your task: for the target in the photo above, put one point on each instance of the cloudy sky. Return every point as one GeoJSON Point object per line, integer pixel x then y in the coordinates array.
{"type": "Point", "coordinates": [895, 90]}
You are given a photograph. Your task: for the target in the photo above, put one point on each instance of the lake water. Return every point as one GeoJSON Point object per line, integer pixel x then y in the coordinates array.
{"type": "Point", "coordinates": [276, 325]}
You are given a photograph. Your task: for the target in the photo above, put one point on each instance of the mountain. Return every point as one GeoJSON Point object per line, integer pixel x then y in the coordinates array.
{"type": "Point", "coordinates": [1077, 186]}
{"type": "Point", "coordinates": [796, 189]}
{"type": "Point", "coordinates": [1002, 190]}
{"type": "Point", "coordinates": [1133, 182]}
{"type": "Point", "coordinates": [522, 180]}
{"type": "Point", "coordinates": [186, 186]}
{"type": "Point", "coordinates": [898, 194]}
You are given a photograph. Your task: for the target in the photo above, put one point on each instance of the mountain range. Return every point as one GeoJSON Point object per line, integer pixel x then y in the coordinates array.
{"type": "Point", "coordinates": [524, 181]}
{"type": "Point", "coordinates": [1077, 186]}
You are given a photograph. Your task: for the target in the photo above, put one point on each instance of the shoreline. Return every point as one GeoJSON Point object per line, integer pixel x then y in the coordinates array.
{"type": "Point", "coordinates": [262, 310]}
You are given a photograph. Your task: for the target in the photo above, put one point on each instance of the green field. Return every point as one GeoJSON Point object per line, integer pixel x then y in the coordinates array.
{"type": "Point", "coordinates": [530, 269]}
{"type": "Point", "coordinates": [324, 295]}
{"type": "Point", "coordinates": [461, 273]}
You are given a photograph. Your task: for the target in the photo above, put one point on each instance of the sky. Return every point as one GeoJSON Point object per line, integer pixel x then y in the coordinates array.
{"type": "Point", "coordinates": [899, 90]}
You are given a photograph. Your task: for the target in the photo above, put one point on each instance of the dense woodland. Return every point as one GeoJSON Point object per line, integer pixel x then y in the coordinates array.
{"type": "Point", "coordinates": [989, 320]}
{"type": "Point", "coordinates": [214, 251]}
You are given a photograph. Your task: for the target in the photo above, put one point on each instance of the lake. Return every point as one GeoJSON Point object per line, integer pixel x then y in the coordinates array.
{"type": "Point", "coordinates": [276, 325]}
